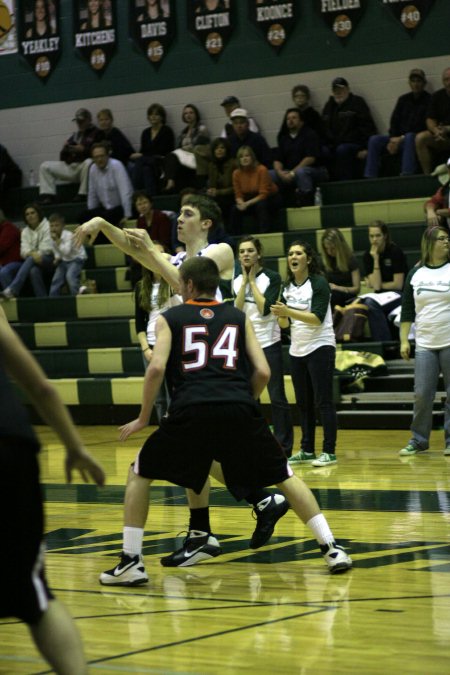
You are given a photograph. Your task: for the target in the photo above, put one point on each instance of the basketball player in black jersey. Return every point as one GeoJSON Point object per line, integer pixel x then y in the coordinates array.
{"type": "Point", "coordinates": [199, 216]}
{"type": "Point", "coordinates": [216, 370]}
{"type": "Point", "coordinates": [25, 593]}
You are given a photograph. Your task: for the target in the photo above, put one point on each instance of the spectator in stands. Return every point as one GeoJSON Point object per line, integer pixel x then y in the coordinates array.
{"type": "Point", "coordinates": [36, 250]}
{"type": "Point", "coordinates": [435, 141]}
{"type": "Point", "coordinates": [10, 259]}
{"type": "Point", "coordinates": [256, 288]}
{"type": "Point", "coordinates": [437, 208]}
{"type": "Point", "coordinates": [341, 267]}
{"type": "Point", "coordinates": [157, 141]}
{"type": "Point", "coordinates": [68, 258]}
{"type": "Point", "coordinates": [426, 302]}
{"type": "Point", "coordinates": [241, 135]}
{"type": "Point", "coordinates": [190, 158]}
{"type": "Point", "coordinates": [348, 124]}
{"type": "Point", "coordinates": [301, 98]}
{"type": "Point", "coordinates": [10, 174]}
{"type": "Point", "coordinates": [121, 147]}
{"type": "Point", "coordinates": [407, 119]}
{"type": "Point", "coordinates": [73, 165]}
{"type": "Point", "coordinates": [158, 225]}
{"type": "Point", "coordinates": [305, 307]}
{"type": "Point", "coordinates": [297, 158]}
{"type": "Point", "coordinates": [229, 104]}
{"type": "Point", "coordinates": [110, 188]}
{"type": "Point", "coordinates": [385, 268]}
{"type": "Point", "coordinates": [220, 175]}
{"type": "Point", "coordinates": [254, 191]}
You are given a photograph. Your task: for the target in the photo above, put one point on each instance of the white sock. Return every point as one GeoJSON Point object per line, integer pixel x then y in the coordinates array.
{"type": "Point", "coordinates": [320, 529]}
{"type": "Point", "coordinates": [132, 540]}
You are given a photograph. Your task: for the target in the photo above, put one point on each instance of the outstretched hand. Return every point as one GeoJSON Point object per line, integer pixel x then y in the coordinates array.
{"type": "Point", "coordinates": [86, 465]}
{"type": "Point", "coordinates": [138, 238]}
{"type": "Point", "coordinates": [88, 231]}
{"type": "Point", "coordinates": [131, 428]}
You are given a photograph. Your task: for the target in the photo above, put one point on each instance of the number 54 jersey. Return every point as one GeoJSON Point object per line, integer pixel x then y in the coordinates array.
{"type": "Point", "coordinates": [208, 361]}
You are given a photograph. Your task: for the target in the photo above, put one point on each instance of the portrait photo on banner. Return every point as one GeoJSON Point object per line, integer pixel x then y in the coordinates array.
{"type": "Point", "coordinates": [95, 31]}
{"type": "Point", "coordinates": [39, 33]}
{"type": "Point", "coordinates": [152, 27]}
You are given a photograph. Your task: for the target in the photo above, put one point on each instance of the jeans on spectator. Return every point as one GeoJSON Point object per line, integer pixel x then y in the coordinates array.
{"type": "Point", "coordinates": [67, 271]}
{"type": "Point", "coordinates": [312, 378]}
{"type": "Point", "coordinates": [427, 365]}
{"type": "Point", "coordinates": [345, 160]}
{"type": "Point", "coordinates": [281, 412]}
{"type": "Point", "coordinates": [7, 273]}
{"type": "Point", "coordinates": [407, 151]}
{"type": "Point", "coordinates": [378, 318]}
{"type": "Point", "coordinates": [263, 211]}
{"type": "Point", "coordinates": [306, 178]}
{"type": "Point", "coordinates": [29, 269]}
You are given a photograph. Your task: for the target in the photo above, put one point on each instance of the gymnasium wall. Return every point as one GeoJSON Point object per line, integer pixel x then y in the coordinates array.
{"type": "Point", "coordinates": [36, 116]}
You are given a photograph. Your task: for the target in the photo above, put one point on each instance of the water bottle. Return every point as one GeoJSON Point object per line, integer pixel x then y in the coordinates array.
{"type": "Point", "coordinates": [318, 197]}
{"type": "Point", "coordinates": [31, 178]}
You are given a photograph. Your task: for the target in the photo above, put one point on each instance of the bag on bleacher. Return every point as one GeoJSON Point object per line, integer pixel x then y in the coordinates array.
{"type": "Point", "coordinates": [349, 321]}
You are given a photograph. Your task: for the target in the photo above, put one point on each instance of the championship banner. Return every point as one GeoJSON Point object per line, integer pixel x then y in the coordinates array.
{"type": "Point", "coordinates": [342, 16]}
{"type": "Point", "coordinates": [410, 13]}
{"type": "Point", "coordinates": [274, 19]}
{"type": "Point", "coordinates": [39, 35]}
{"type": "Point", "coordinates": [152, 27]}
{"type": "Point", "coordinates": [212, 22]}
{"type": "Point", "coordinates": [95, 31]}
{"type": "Point", "coordinates": [8, 35]}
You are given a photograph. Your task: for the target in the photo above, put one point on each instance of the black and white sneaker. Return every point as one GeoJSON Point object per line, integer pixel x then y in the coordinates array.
{"type": "Point", "coordinates": [197, 546]}
{"type": "Point", "coordinates": [268, 512]}
{"type": "Point", "coordinates": [336, 558]}
{"type": "Point", "coordinates": [129, 572]}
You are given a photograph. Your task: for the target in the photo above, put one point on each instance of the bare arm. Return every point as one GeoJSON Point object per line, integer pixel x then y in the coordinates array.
{"type": "Point", "coordinates": [279, 309]}
{"type": "Point", "coordinates": [405, 346]}
{"type": "Point", "coordinates": [46, 400]}
{"type": "Point", "coordinates": [261, 371]}
{"type": "Point", "coordinates": [153, 379]}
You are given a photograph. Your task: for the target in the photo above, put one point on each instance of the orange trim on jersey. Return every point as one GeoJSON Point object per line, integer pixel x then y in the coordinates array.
{"type": "Point", "coordinates": [203, 302]}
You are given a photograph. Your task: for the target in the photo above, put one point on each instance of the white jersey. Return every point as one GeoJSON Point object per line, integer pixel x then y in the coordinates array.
{"type": "Point", "coordinates": [265, 325]}
{"type": "Point", "coordinates": [311, 296]}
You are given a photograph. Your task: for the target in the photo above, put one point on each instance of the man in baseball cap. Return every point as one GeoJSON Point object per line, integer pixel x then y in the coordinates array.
{"type": "Point", "coordinates": [408, 119]}
{"type": "Point", "coordinates": [74, 160]}
{"type": "Point", "coordinates": [348, 125]}
{"type": "Point", "coordinates": [230, 104]}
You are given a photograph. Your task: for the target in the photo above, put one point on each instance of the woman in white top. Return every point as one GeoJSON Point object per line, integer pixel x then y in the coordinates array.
{"type": "Point", "coordinates": [36, 250]}
{"type": "Point", "coordinates": [305, 304]}
{"type": "Point", "coordinates": [426, 301]}
{"type": "Point", "coordinates": [256, 288]}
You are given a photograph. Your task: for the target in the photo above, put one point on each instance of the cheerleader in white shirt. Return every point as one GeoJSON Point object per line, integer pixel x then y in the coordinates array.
{"type": "Point", "coordinates": [426, 301]}
{"type": "Point", "coordinates": [256, 288]}
{"type": "Point", "coordinates": [305, 304]}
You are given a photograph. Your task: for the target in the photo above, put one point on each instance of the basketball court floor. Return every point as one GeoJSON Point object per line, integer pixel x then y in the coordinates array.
{"type": "Point", "coordinates": [276, 610]}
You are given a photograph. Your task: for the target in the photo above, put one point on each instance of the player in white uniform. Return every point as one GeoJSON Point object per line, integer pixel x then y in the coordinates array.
{"type": "Point", "coordinates": [199, 216]}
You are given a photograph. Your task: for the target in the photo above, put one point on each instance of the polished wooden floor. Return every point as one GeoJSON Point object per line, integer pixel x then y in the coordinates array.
{"type": "Point", "coordinates": [274, 611]}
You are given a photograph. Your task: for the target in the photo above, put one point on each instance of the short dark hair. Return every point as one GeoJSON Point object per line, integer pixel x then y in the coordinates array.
{"type": "Point", "coordinates": [103, 145]}
{"type": "Point", "coordinates": [56, 216]}
{"type": "Point", "coordinates": [303, 88]}
{"type": "Point", "coordinates": [297, 111]}
{"type": "Point", "coordinates": [207, 207]}
{"type": "Point", "coordinates": [256, 243]}
{"type": "Point", "coordinates": [141, 193]}
{"type": "Point", "coordinates": [203, 272]}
